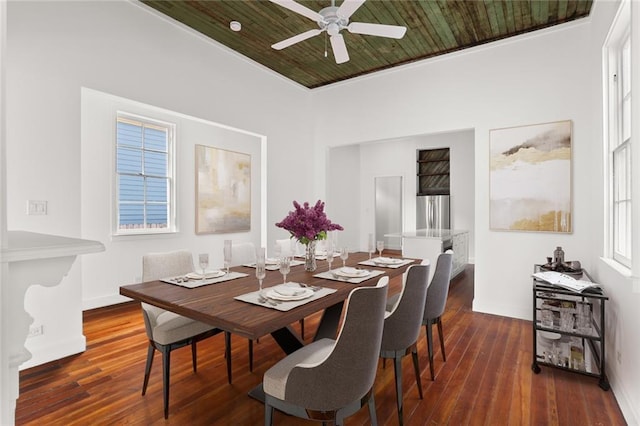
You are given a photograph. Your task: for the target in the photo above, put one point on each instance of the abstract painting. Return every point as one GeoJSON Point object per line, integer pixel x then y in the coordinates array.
{"type": "Point", "coordinates": [223, 191]}
{"type": "Point", "coordinates": [530, 178]}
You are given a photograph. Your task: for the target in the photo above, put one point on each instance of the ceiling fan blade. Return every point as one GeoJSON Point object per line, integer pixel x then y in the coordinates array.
{"type": "Point", "coordinates": [296, 39]}
{"type": "Point", "coordinates": [339, 49]}
{"type": "Point", "coordinates": [348, 7]}
{"type": "Point", "coordinates": [382, 30]}
{"type": "Point", "coordinates": [298, 8]}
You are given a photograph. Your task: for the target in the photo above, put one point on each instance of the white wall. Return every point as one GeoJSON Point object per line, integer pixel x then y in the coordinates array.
{"type": "Point", "coordinates": [54, 49]}
{"type": "Point", "coordinates": [542, 77]}
{"type": "Point", "coordinates": [121, 263]}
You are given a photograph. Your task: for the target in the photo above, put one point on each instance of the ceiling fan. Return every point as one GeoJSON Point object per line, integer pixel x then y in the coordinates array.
{"type": "Point", "coordinates": [333, 19]}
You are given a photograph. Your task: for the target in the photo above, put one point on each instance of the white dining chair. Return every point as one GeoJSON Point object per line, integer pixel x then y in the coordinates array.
{"type": "Point", "coordinates": [167, 330]}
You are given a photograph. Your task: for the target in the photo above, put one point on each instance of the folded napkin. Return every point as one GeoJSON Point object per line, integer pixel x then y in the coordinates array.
{"type": "Point", "coordinates": [289, 290]}
{"type": "Point", "coordinates": [207, 275]}
{"type": "Point", "coordinates": [354, 271]}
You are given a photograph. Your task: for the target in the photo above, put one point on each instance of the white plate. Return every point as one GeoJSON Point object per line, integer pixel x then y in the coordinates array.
{"type": "Point", "coordinates": [303, 294]}
{"type": "Point", "coordinates": [271, 261]}
{"type": "Point", "coordinates": [352, 272]}
{"type": "Point", "coordinates": [387, 260]}
{"type": "Point", "coordinates": [549, 335]}
{"type": "Point", "coordinates": [208, 275]}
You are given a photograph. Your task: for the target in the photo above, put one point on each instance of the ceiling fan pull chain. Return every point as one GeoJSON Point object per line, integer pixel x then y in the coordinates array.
{"type": "Point", "coordinates": [325, 44]}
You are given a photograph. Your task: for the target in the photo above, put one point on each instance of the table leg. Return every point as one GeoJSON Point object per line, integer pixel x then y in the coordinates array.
{"type": "Point", "coordinates": [287, 339]}
{"type": "Point", "coordinates": [328, 327]}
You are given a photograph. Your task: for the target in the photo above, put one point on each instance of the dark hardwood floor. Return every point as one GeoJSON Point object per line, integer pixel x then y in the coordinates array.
{"type": "Point", "coordinates": [486, 380]}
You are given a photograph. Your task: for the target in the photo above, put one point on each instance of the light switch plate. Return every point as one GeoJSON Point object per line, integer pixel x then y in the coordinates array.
{"type": "Point", "coordinates": [37, 207]}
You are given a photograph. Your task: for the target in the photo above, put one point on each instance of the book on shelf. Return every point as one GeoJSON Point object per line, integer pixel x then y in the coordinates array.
{"type": "Point", "coordinates": [565, 281]}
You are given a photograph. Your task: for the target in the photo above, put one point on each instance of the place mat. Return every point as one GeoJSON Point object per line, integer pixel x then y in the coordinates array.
{"type": "Point", "coordinates": [383, 262]}
{"type": "Point", "coordinates": [193, 283]}
{"type": "Point", "coordinates": [331, 275]}
{"type": "Point", "coordinates": [282, 305]}
{"type": "Point", "coordinates": [274, 267]}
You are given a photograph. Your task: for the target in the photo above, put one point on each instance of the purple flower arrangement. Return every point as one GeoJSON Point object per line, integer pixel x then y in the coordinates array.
{"type": "Point", "coordinates": [307, 223]}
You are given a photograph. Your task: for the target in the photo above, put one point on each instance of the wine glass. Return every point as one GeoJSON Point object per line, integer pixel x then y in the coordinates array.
{"type": "Point", "coordinates": [344, 255]}
{"type": "Point", "coordinates": [227, 254]}
{"type": "Point", "coordinates": [261, 270]}
{"type": "Point", "coordinates": [285, 267]}
{"type": "Point", "coordinates": [329, 254]}
{"type": "Point", "coordinates": [370, 247]}
{"type": "Point", "coordinates": [203, 260]}
{"type": "Point", "coordinates": [380, 247]}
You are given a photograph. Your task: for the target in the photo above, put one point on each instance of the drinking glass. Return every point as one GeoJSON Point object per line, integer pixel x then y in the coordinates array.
{"type": "Point", "coordinates": [566, 320]}
{"type": "Point", "coordinates": [370, 247]}
{"type": "Point", "coordinates": [203, 260]}
{"type": "Point", "coordinates": [227, 254]}
{"type": "Point", "coordinates": [380, 247]}
{"type": "Point", "coordinates": [285, 267]}
{"type": "Point", "coordinates": [261, 270]}
{"type": "Point", "coordinates": [344, 255]}
{"type": "Point", "coordinates": [329, 255]}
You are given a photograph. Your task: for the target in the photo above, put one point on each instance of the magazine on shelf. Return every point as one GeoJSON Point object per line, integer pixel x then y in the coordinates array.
{"type": "Point", "coordinates": [565, 281]}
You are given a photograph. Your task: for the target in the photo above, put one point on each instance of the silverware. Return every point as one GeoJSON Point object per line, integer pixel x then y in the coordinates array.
{"type": "Point", "coordinates": [312, 287]}
{"type": "Point", "coordinates": [263, 299]}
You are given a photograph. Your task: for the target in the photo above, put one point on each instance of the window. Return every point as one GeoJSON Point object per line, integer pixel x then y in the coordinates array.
{"type": "Point", "coordinates": [618, 137]}
{"type": "Point", "coordinates": [144, 176]}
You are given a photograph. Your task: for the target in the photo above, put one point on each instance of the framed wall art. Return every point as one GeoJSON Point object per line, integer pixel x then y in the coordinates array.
{"type": "Point", "coordinates": [223, 191]}
{"type": "Point", "coordinates": [530, 178]}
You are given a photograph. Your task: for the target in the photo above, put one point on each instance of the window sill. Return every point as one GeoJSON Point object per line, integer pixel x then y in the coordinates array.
{"type": "Point", "coordinates": [624, 273]}
{"type": "Point", "coordinates": [142, 235]}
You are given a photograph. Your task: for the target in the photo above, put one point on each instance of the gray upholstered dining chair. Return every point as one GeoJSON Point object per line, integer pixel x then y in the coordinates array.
{"type": "Point", "coordinates": [167, 330]}
{"type": "Point", "coordinates": [436, 302]}
{"type": "Point", "coordinates": [402, 327]}
{"type": "Point", "coordinates": [328, 379]}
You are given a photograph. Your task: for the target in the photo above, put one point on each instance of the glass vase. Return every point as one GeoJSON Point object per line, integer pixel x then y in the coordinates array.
{"type": "Point", "coordinates": [310, 256]}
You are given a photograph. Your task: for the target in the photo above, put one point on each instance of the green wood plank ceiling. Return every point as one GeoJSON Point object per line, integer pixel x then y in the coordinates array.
{"type": "Point", "coordinates": [434, 27]}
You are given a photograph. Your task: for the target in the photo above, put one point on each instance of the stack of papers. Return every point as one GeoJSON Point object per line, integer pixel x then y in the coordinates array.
{"type": "Point", "coordinates": [565, 281]}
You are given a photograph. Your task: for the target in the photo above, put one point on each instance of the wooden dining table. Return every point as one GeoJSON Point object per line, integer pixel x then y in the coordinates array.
{"type": "Point", "coordinates": [214, 304]}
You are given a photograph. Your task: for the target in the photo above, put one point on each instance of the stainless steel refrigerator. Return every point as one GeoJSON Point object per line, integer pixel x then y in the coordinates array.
{"type": "Point", "coordinates": [433, 212]}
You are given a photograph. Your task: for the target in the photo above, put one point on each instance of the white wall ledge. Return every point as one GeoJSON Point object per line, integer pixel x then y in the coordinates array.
{"type": "Point", "coordinates": [24, 245]}
{"type": "Point", "coordinates": [29, 258]}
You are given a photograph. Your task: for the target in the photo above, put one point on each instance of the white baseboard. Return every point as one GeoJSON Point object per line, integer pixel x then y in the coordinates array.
{"type": "Point", "coordinates": [60, 349]}
{"type": "Point", "coordinates": [629, 410]}
{"type": "Point", "coordinates": [100, 302]}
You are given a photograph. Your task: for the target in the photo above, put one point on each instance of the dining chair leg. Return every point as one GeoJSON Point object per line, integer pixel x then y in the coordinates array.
{"type": "Point", "coordinates": [439, 322]}
{"type": "Point", "coordinates": [416, 368]}
{"type": "Point", "coordinates": [194, 356]}
{"type": "Point", "coordinates": [166, 362]}
{"type": "Point", "coordinates": [430, 347]}
{"type": "Point", "coordinates": [250, 355]}
{"type": "Point", "coordinates": [147, 368]}
{"type": "Point", "coordinates": [373, 417]}
{"type": "Point", "coordinates": [227, 353]}
{"type": "Point", "coordinates": [268, 415]}
{"type": "Point", "coordinates": [397, 368]}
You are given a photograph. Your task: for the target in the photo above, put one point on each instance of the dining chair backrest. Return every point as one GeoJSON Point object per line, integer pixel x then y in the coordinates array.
{"type": "Point", "coordinates": [242, 253]}
{"type": "Point", "coordinates": [402, 325]}
{"type": "Point", "coordinates": [156, 266]}
{"type": "Point", "coordinates": [287, 246]}
{"type": "Point", "coordinates": [439, 287]}
{"type": "Point", "coordinates": [349, 371]}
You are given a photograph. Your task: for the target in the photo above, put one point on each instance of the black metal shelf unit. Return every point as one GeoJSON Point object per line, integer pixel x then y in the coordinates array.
{"type": "Point", "coordinates": [579, 349]}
